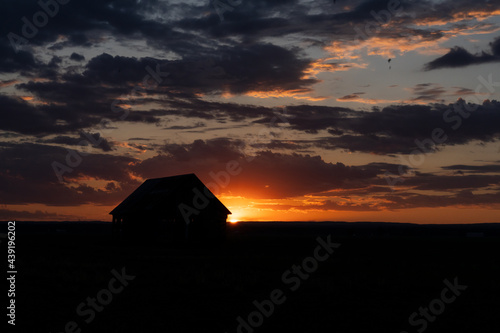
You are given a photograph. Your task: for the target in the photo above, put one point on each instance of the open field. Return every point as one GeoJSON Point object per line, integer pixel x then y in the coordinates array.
{"type": "Point", "coordinates": [373, 282]}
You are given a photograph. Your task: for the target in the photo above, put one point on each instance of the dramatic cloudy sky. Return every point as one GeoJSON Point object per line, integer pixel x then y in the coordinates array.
{"type": "Point", "coordinates": [362, 110]}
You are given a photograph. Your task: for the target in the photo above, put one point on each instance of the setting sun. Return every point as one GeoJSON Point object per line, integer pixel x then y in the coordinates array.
{"type": "Point", "coordinates": [234, 217]}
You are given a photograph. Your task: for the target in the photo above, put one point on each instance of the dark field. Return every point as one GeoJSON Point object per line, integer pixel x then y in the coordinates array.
{"type": "Point", "coordinates": [373, 282]}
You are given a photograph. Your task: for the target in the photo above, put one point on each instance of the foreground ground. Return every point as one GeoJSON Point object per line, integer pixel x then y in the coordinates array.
{"type": "Point", "coordinates": [379, 276]}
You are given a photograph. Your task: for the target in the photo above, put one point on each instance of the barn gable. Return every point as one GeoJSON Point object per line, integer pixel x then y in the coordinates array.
{"type": "Point", "coordinates": [177, 204]}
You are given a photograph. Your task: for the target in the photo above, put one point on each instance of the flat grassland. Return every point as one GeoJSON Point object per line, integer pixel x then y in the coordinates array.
{"type": "Point", "coordinates": [379, 276]}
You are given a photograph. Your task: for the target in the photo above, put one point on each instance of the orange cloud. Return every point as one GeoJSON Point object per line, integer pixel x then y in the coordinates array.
{"type": "Point", "coordinates": [279, 93]}
{"type": "Point", "coordinates": [138, 147]}
{"type": "Point", "coordinates": [8, 83]}
{"type": "Point", "coordinates": [387, 46]}
{"type": "Point", "coordinates": [32, 100]}
{"type": "Point", "coordinates": [344, 50]}
{"type": "Point", "coordinates": [479, 15]}
{"type": "Point", "coordinates": [458, 17]}
{"type": "Point", "coordinates": [321, 65]}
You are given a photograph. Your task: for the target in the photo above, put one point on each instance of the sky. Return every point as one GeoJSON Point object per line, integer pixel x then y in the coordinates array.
{"type": "Point", "coordinates": [362, 110]}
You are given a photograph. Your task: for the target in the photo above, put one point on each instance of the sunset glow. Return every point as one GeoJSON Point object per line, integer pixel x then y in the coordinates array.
{"type": "Point", "coordinates": [364, 111]}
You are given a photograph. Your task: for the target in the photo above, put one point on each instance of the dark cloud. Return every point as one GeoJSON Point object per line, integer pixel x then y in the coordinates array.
{"type": "Point", "coordinates": [93, 95]}
{"type": "Point", "coordinates": [179, 127]}
{"type": "Point", "coordinates": [282, 144]}
{"type": "Point", "coordinates": [75, 39]}
{"type": "Point", "coordinates": [12, 62]}
{"type": "Point", "coordinates": [273, 175]}
{"type": "Point", "coordinates": [266, 67]}
{"type": "Point", "coordinates": [222, 112]}
{"type": "Point", "coordinates": [118, 70]}
{"type": "Point", "coordinates": [487, 168]}
{"type": "Point", "coordinates": [389, 130]}
{"type": "Point", "coordinates": [399, 128]}
{"type": "Point", "coordinates": [447, 183]}
{"type": "Point", "coordinates": [220, 149]}
{"type": "Point", "coordinates": [140, 139]}
{"type": "Point", "coordinates": [85, 139]}
{"type": "Point", "coordinates": [31, 165]}
{"type": "Point", "coordinates": [257, 20]}
{"type": "Point", "coordinates": [63, 139]}
{"type": "Point", "coordinates": [80, 21]}
{"type": "Point", "coordinates": [77, 57]}
{"type": "Point", "coordinates": [263, 175]}
{"type": "Point", "coordinates": [88, 101]}
{"type": "Point", "coordinates": [350, 97]}
{"type": "Point", "coordinates": [238, 70]}
{"type": "Point", "coordinates": [22, 117]}
{"type": "Point", "coordinates": [460, 57]}
{"type": "Point", "coordinates": [428, 92]}
{"type": "Point", "coordinates": [312, 119]}
{"type": "Point", "coordinates": [372, 143]}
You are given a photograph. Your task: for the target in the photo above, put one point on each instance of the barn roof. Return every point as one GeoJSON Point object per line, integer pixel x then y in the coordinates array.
{"type": "Point", "coordinates": [157, 192]}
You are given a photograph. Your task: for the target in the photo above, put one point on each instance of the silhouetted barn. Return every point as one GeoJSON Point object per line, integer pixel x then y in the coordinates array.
{"type": "Point", "coordinates": [178, 207]}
